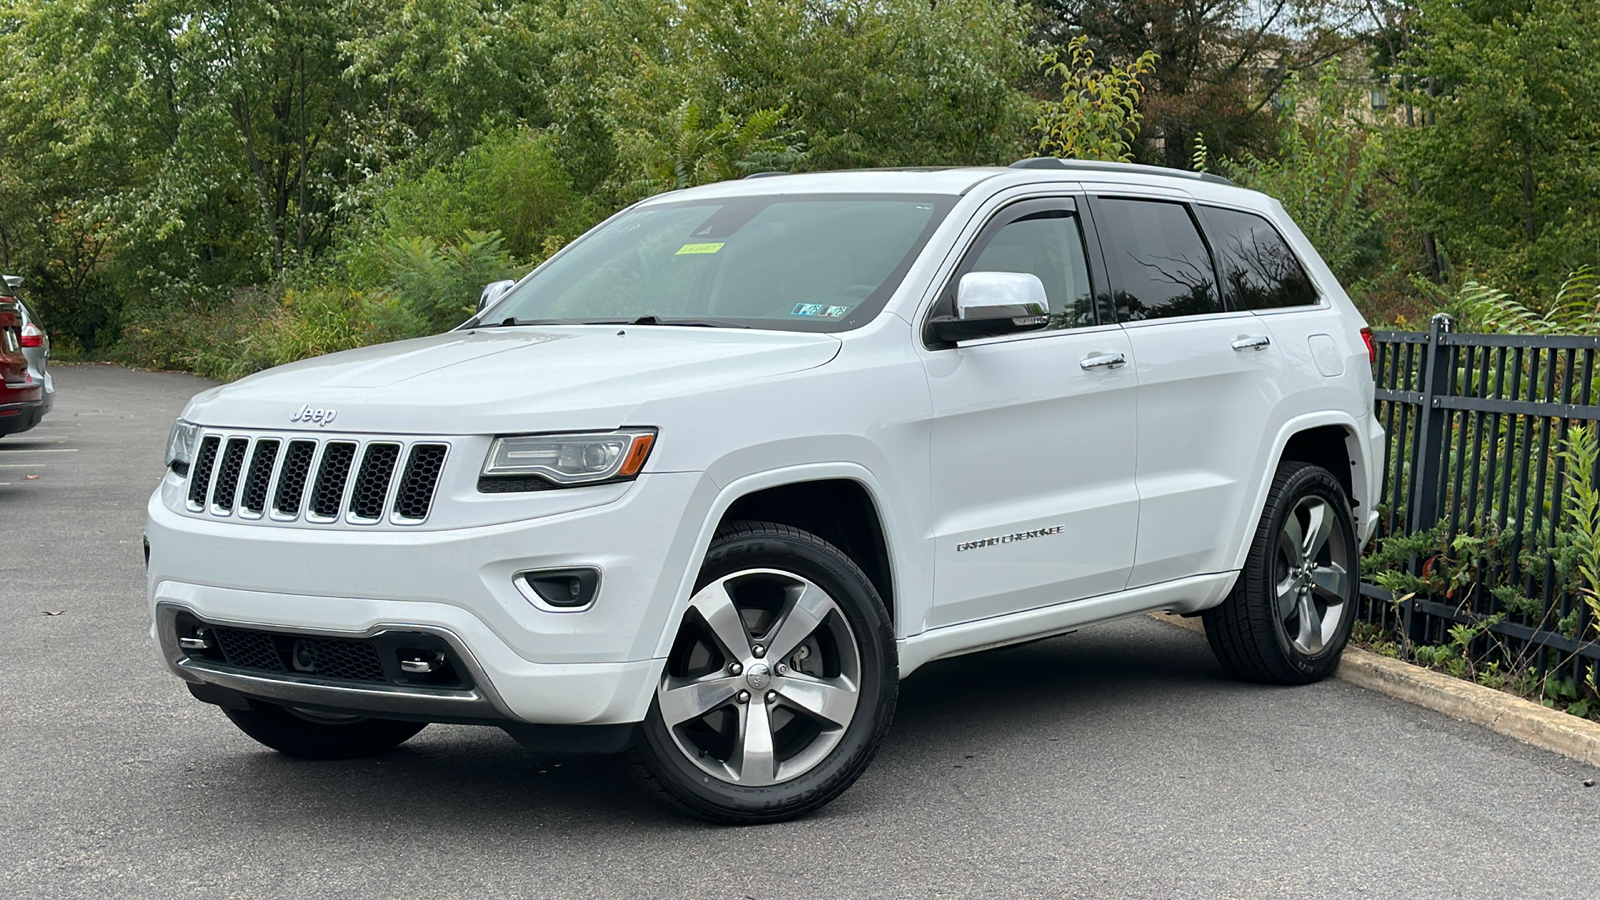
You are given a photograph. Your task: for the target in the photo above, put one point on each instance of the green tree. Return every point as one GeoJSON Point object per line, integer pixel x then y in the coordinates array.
{"type": "Point", "coordinates": [1098, 113]}
{"type": "Point", "coordinates": [1219, 63]}
{"type": "Point", "coordinates": [868, 82]}
{"type": "Point", "coordinates": [1327, 164]}
{"type": "Point", "coordinates": [1504, 152]}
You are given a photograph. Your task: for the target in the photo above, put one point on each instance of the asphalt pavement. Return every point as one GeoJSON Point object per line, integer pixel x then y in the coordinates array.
{"type": "Point", "coordinates": [1116, 762]}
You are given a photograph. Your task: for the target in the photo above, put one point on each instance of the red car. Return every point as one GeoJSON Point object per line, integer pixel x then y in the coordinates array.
{"type": "Point", "coordinates": [21, 397]}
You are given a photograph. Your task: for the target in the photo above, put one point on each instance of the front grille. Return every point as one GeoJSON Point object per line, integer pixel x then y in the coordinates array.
{"type": "Point", "coordinates": [292, 482]}
{"type": "Point", "coordinates": [227, 484]}
{"type": "Point", "coordinates": [204, 460]}
{"type": "Point", "coordinates": [422, 475]}
{"type": "Point", "coordinates": [337, 659]}
{"type": "Point", "coordinates": [328, 493]}
{"type": "Point", "coordinates": [372, 482]}
{"type": "Point", "coordinates": [315, 481]}
{"type": "Point", "coordinates": [260, 477]}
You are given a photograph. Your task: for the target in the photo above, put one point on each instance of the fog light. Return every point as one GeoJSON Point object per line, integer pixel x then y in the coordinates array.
{"type": "Point", "coordinates": [564, 588]}
{"type": "Point", "coordinates": [200, 640]}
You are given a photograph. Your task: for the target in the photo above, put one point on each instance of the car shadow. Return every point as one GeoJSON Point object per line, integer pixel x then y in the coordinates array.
{"type": "Point", "coordinates": [469, 780]}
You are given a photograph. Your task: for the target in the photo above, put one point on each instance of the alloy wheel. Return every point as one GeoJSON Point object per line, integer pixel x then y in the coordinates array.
{"type": "Point", "coordinates": [763, 679]}
{"type": "Point", "coordinates": [1313, 574]}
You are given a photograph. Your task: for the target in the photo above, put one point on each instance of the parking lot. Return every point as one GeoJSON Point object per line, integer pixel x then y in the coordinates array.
{"type": "Point", "coordinates": [1113, 762]}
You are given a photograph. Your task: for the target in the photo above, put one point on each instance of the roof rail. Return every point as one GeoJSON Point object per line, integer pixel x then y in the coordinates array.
{"type": "Point", "coordinates": [763, 175]}
{"type": "Point", "coordinates": [1095, 165]}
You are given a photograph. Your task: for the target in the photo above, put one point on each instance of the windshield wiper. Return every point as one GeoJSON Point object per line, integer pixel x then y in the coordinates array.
{"type": "Point", "coordinates": [511, 321]}
{"type": "Point", "coordinates": [657, 320]}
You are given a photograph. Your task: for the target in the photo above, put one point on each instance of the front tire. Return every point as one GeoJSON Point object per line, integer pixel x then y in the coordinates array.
{"type": "Point", "coordinates": [780, 684]}
{"type": "Point", "coordinates": [311, 736]}
{"type": "Point", "coordinates": [1289, 615]}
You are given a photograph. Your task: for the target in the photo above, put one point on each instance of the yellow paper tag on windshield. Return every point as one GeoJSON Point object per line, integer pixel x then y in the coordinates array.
{"type": "Point", "coordinates": [689, 249]}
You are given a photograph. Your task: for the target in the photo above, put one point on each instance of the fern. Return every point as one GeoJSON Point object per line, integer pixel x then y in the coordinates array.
{"type": "Point", "coordinates": [1580, 453]}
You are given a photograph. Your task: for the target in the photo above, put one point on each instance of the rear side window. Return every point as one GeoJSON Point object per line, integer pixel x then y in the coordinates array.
{"type": "Point", "coordinates": [1259, 271]}
{"type": "Point", "coordinates": [1159, 261]}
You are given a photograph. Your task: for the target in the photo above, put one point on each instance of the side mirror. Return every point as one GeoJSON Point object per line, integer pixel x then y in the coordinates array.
{"type": "Point", "coordinates": [493, 292]}
{"type": "Point", "coordinates": [994, 303]}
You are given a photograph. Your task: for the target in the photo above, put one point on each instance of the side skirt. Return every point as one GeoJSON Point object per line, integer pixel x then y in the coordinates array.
{"type": "Point", "coordinates": [1184, 595]}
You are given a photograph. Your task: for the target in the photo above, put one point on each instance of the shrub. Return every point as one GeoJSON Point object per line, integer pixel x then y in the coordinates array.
{"type": "Point", "coordinates": [435, 286]}
{"type": "Point", "coordinates": [511, 183]}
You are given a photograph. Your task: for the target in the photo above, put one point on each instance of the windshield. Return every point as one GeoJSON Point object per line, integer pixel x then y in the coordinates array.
{"type": "Point", "coordinates": [797, 263]}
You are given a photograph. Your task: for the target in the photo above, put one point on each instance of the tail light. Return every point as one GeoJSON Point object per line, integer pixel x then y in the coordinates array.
{"type": "Point", "coordinates": [1372, 349]}
{"type": "Point", "coordinates": [32, 336]}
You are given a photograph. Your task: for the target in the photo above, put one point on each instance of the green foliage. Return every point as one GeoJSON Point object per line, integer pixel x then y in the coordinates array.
{"type": "Point", "coordinates": [437, 286]}
{"type": "Point", "coordinates": [1582, 453]}
{"type": "Point", "coordinates": [1327, 164]}
{"type": "Point", "coordinates": [1574, 309]}
{"type": "Point", "coordinates": [685, 150]}
{"type": "Point", "coordinates": [511, 182]}
{"type": "Point", "coordinates": [1503, 155]}
{"type": "Point", "coordinates": [868, 82]}
{"type": "Point", "coordinates": [1098, 114]}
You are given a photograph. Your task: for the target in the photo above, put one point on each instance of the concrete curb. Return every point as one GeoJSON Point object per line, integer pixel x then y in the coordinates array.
{"type": "Point", "coordinates": [1497, 711]}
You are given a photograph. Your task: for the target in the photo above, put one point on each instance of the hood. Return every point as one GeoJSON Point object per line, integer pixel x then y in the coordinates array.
{"type": "Point", "coordinates": [500, 380]}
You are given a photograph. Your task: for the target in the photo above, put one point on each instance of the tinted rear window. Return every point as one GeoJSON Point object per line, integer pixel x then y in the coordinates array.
{"type": "Point", "coordinates": [1159, 261]}
{"type": "Point", "coordinates": [1259, 271]}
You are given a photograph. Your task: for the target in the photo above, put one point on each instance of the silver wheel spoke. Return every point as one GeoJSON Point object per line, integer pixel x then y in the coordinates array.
{"type": "Point", "coordinates": [753, 762]}
{"type": "Point", "coordinates": [800, 618]}
{"type": "Point", "coordinates": [833, 701]}
{"type": "Point", "coordinates": [1288, 592]}
{"type": "Point", "coordinates": [1332, 582]}
{"type": "Point", "coordinates": [1320, 526]}
{"type": "Point", "coordinates": [718, 611]}
{"type": "Point", "coordinates": [1296, 543]}
{"type": "Point", "coordinates": [1309, 638]}
{"type": "Point", "coordinates": [685, 699]}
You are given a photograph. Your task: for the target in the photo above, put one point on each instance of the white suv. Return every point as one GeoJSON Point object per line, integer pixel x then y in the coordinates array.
{"type": "Point", "coordinates": [709, 482]}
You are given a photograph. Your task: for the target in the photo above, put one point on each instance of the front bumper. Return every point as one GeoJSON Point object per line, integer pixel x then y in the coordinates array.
{"type": "Point", "coordinates": [528, 665]}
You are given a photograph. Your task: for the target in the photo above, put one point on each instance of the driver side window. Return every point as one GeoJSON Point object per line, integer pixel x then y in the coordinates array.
{"type": "Point", "coordinates": [1049, 245]}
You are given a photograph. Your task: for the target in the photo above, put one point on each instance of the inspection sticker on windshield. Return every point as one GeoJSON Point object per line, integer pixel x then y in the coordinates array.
{"type": "Point", "coordinates": [692, 249]}
{"type": "Point", "coordinates": [818, 310]}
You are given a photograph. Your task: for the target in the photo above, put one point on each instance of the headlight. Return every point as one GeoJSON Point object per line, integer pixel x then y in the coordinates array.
{"type": "Point", "coordinates": [180, 446]}
{"type": "Point", "coordinates": [567, 460]}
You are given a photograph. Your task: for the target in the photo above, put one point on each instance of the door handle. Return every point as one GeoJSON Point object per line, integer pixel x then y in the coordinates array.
{"type": "Point", "coordinates": [1102, 361]}
{"type": "Point", "coordinates": [1252, 342]}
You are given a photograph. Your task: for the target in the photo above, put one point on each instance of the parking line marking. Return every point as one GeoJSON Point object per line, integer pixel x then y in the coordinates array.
{"type": "Point", "coordinates": [22, 465]}
{"type": "Point", "coordinates": [4, 450]}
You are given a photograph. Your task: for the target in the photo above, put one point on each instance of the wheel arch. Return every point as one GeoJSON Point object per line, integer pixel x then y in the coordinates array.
{"type": "Point", "coordinates": [1331, 439]}
{"type": "Point", "coordinates": [802, 497]}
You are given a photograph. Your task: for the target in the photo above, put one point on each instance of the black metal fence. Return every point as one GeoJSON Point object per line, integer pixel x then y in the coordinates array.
{"type": "Point", "coordinates": [1476, 424]}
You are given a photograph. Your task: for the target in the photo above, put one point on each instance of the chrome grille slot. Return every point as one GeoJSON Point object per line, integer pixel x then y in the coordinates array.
{"type": "Point", "coordinates": [415, 497]}
{"type": "Point", "coordinates": [227, 484]}
{"type": "Point", "coordinates": [336, 480]}
{"type": "Point", "coordinates": [327, 494]}
{"type": "Point", "coordinates": [372, 481]}
{"type": "Point", "coordinates": [292, 480]}
{"type": "Point", "coordinates": [200, 477]}
{"type": "Point", "coordinates": [259, 477]}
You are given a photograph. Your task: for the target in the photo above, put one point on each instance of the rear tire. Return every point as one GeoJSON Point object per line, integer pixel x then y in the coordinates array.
{"type": "Point", "coordinates": [780, 684]}
{"type": "Point", "coordinates": [1289, 615]}
{"type": "Point", "coordinates": [312, 736]}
